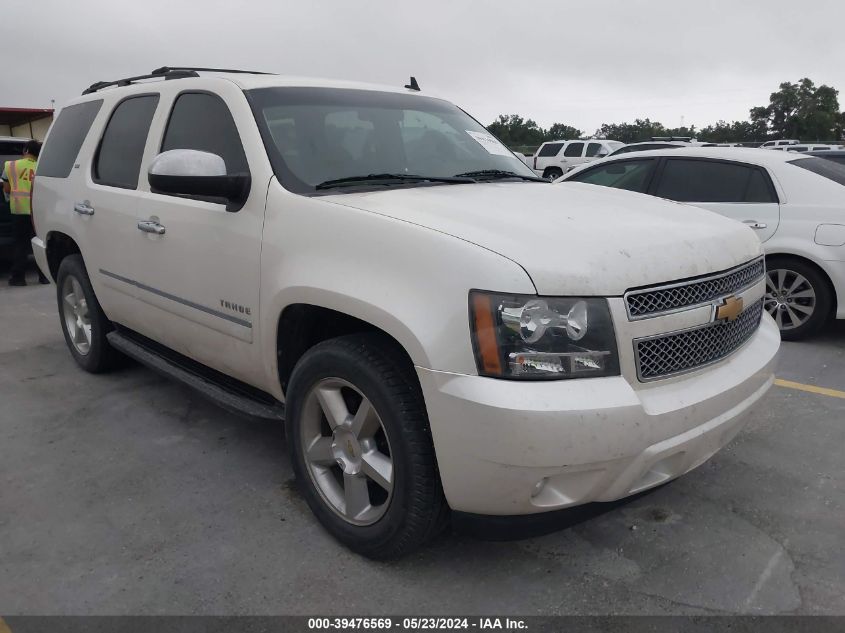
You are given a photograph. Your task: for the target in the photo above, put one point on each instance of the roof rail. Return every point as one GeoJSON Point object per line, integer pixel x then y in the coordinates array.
{"type": "Point", "coordinates": [167, 69]}
{"type": "Point", "coordinates": [166, 72]}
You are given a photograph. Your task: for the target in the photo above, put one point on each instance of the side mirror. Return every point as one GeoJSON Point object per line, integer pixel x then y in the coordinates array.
{"type": "Point", "coordinates": [188, 172]}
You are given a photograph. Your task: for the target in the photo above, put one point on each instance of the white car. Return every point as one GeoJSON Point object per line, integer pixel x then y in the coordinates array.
{"type": "Point", "coordinates": [372, 266]}
{"type": "Point", "coordinates": [810, 147]}
{"type": "Point", "coordinates": [779, 144]}
{"type": "Point", "coordinates": [795, 203]}
{"type": "Point", "coordinates": [554, 158]}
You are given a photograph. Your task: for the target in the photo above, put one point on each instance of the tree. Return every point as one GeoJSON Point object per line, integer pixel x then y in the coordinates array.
{"type": "Point", "coordinates": [560, 132]}
{"type": "Point", "coordinates": [639, 130]}
{"type": "Point", "coordinates": [735, 132]}
{"type": "Point", "coordinates": [802, 111]}
{"type": "Point", "coordinates": [514, 131]}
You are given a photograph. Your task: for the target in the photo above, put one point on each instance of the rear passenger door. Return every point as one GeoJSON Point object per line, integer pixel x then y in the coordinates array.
{"type": "Point", "coordinates": [198, 282]}
{"type": "Point", "coordinates": [111, 199]}
{"type": "Point", "coordinates": [572, 155]}
{"type": "Point", "coordinates": [740, 191]}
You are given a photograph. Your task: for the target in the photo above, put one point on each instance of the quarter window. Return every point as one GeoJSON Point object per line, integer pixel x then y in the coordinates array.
{"type": "Point", "coordinates": [593, 149]}
{"type": "Point", "coordinates": [710, 181]}
{"type": "Point", "coordinates": [118, 160]}
{"type": "Point", "coordinates": [631, 175]}
{"type": "Point", "coordinates": [66, 138]}
{"type": "Point", "coordinates": [574, 149]}
{"type": "Point", "coordinates": [202, 122]}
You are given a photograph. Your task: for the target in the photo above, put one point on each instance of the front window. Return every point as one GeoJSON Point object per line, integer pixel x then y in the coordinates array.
{"type": "Point", "coordinates": [633, 175]}
{"type": "Point", "coordinates": [315, 136]}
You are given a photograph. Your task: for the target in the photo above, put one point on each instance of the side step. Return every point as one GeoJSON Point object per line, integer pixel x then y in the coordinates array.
{"type": "Point", "coordinates": [226, 392]}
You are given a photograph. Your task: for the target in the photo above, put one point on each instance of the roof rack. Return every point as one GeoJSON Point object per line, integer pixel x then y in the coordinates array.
{"type": "Point", "coordinates": [166, 72]}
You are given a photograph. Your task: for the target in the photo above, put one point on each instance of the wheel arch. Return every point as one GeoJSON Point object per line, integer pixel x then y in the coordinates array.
{"type": "Point", "coordinates": [59, 245]}
{"type": "Point", "coordinates": [302, 325]}
{"type": "Point", "coordinates": [834, 298]}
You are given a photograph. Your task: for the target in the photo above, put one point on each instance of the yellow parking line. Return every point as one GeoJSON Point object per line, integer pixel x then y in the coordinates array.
{"type": "Point", "coordinates": [4, 628]}
{"type": "Point", "coordinates": [824, 391]}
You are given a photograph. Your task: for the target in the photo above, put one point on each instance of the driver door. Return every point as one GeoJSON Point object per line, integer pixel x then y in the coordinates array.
{"type": "Point", "coordinates": [197, 271]}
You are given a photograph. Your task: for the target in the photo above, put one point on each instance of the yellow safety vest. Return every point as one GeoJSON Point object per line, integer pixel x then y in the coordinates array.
{"type": "Point", "coordinates": [20, 174]}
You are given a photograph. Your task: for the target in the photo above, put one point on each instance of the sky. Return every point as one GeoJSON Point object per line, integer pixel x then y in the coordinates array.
{"type": "Point", "coordinates": [582, 63]}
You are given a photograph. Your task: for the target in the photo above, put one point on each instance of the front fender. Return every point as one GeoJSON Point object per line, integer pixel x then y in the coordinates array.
{"type": "Point", "coordinates": [407, 280]}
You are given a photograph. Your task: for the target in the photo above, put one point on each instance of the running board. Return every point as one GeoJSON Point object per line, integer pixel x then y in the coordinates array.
{"type": "Point", "coordinates": [226, 392]}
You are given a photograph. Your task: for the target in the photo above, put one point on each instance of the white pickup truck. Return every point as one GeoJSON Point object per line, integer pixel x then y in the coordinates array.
{"type": "Point", "coordinates": [438, 328]}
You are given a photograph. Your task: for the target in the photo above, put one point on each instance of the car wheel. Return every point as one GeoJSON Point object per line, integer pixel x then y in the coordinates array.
{"type": "Point", "coordinates": [552, 173]}
{"type": "Point", "coordinates": [361, 447]}
{"type": "Point", "coordinates": [83, 322]}
{"type": "Point", "coordinates": [797, 296]}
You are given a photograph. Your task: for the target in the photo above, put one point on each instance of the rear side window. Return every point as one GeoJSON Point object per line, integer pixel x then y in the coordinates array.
{"type": "Point", "coordinates": [823, 167]}
{"type": "Point", "coordinates": [66, 137]}
{"type": "Point", "coordinates": [118, 160]}
{"type": "Point", "coordinates": [574, 149]}
{"type": "Point", "coordinates": [202, 122]}
{"type": "Point", "coordinates": [550, 149]}
{"type": "Point", "coordinates": [11, 148]}
{"type": "Point", "coordinates": [631, 175]}
{"type": "Point", "coordinates": [711, 181]}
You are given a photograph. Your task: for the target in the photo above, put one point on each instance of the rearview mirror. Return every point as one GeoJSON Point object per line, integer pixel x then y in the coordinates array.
{"type": "Point", "coordinates": [188, 172]}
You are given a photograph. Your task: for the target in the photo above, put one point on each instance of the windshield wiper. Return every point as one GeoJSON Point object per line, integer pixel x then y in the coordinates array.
{"type": "Point", "coordinates": [387, 179]}
{"type": "Point", "coordinates": [497, 174]}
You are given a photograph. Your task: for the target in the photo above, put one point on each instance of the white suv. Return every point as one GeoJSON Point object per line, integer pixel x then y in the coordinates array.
{"type": "Point", "coordinates": [438, 328]}
{"type": "Point", "coordinates": [554, 158]}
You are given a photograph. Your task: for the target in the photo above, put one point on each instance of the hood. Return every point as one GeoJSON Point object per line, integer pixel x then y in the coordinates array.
{"type": "Point", "coordinates": [573, 238]}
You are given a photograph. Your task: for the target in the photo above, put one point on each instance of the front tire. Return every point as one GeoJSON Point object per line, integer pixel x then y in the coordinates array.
{"type": "Point", "coordinates": [84, 323]}
{"type": "Point", "coordinates": [361, 448]}
{"type": "Point", "coordinates": [797, 296]}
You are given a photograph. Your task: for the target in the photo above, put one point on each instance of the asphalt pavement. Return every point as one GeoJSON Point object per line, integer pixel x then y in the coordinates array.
{"type": "Point", "coordinates": [128, 494]}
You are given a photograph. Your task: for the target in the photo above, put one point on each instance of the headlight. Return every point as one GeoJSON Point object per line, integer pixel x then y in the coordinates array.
{"type": "Point", "coordinates": [529, 337]}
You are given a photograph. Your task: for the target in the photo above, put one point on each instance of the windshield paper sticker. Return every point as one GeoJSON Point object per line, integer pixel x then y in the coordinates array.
{"type": "Point", "coordinates": [489, 143]}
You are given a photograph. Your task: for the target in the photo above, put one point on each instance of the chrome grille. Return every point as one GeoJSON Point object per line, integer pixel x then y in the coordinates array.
{"type": "Point", "coordinates": [679, 352]}
{"type": "Point", "coordinates": [659, 300]}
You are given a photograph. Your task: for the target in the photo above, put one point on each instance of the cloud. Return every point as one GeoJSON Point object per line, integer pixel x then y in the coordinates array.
{"type": "Point", "coordinates": [573, 62]}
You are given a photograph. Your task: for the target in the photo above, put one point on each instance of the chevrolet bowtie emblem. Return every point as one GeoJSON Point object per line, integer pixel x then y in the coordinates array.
{"type": "Point", "coordinates": [729, 309]}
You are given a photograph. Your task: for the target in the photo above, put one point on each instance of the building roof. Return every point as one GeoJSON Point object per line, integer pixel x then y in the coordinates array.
{"type": "Point", "coordinates": [19, 116]}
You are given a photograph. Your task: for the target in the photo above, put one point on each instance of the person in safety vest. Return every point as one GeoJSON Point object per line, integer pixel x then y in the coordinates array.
{"type": "Point", "coordinates": [17, 185]}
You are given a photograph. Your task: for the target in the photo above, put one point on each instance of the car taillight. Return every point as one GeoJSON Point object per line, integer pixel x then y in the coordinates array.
{"type": "Point", "coordinates": [535, 161]}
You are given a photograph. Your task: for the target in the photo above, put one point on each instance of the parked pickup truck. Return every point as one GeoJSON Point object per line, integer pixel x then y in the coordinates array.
{"type": "Point", "coordinates": [439, 329]}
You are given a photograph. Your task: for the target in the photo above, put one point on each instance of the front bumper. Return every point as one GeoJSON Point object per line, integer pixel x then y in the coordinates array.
{"type": "Point", "coordinates": [509, 447]}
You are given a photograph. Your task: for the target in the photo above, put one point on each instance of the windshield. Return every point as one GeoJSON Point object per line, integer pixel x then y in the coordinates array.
{"type": "Point", "coordinates": [320, 135]}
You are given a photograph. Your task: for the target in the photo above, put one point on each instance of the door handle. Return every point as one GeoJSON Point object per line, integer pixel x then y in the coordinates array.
{"type": "Point", "coordinates": [754, 224]}
{"type": "Point", "coordinates": [150, 226]}
{"type": "Point", "coordinates": [83, 208]}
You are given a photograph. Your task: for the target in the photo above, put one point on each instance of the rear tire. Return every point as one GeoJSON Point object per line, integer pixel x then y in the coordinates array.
{"type": "Point", "coordinates": [374, 483]}
{"type": "Point", "coordinates": [84, 323]}
{"type": "Point", "coordinates": [798, 297]}
{"type": "Point", "coordinates": [552, 173]}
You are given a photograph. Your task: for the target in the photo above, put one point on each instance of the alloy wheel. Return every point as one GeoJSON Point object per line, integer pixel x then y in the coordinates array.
{"type": "Point", "coordinates": [790, 298]}
{"type": "Point", "coordinates": [347, 451]}
{"type": "Point", "coordinates": [76, 315]}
